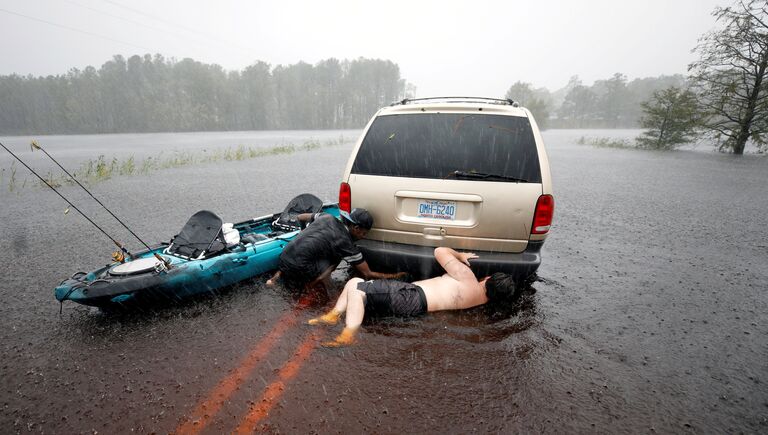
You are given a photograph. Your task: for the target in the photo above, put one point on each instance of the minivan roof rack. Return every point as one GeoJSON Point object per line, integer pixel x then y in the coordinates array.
{"type": "Point", "coordinates": [457, 100]}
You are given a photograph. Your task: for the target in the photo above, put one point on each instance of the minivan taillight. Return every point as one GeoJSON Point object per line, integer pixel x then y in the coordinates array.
{"type": "Point", "coordinates": [542, 217]}
{"type": "Point", "coordinates": [345, 197]}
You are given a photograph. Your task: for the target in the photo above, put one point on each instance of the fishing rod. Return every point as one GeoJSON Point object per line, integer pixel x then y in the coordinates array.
{"type": "Point", "coordinates": [165, 262]}
{"type": "Point", "coordinates": [118, 244]}
{"type": "Point", "coordinates": [35, 146]}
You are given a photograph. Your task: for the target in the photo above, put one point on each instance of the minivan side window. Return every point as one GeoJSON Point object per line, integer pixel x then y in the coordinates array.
{"type": "Point", "coordinates": [435, 145]}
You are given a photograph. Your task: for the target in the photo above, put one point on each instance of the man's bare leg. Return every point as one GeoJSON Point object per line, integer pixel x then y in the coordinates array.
{"type": "Point", "coordinates": [323, 280]}
{"type": "Point", "coordinates": [332, 317]}
{"type": "Point", "coordinates": [275, 278]}
{"type": "Point", "coordinates": [355, 310]}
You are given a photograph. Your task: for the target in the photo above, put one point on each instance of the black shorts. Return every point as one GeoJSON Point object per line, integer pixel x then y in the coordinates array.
{"type": "Point", "coordinates": [294, 276]}
{"type": "Point", "coordinates": [298, 276]}
{"type": "Point", "coordinates": [388, 297]}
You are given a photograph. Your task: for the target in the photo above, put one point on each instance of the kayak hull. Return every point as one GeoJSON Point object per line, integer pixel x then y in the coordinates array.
{"type": "Point", "coordinates": [186, 278]}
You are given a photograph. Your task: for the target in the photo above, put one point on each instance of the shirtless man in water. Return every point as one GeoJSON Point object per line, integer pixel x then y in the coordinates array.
{"type": "Point", "coordinates": [457, 289]}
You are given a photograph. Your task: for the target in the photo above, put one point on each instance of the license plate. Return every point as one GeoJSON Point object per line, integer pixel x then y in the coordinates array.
{"type": "Point", "coordinates": [443, 210]}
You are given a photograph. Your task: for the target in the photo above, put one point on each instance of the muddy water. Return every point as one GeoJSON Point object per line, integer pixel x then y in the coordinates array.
{"type": "Point", "coordinates": [649, 314]}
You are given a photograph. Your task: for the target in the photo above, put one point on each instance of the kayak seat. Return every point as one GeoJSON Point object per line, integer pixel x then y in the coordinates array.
{"type": "Point", "coordinates": [288, 219]}
{"type": "Point", "coordinates": [200, 237]}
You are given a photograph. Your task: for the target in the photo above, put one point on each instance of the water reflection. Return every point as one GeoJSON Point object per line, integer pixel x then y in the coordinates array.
{"type": "Point", "coordinates": [92, 322]}
{"type": "Point", "coordinates": [486, 323]}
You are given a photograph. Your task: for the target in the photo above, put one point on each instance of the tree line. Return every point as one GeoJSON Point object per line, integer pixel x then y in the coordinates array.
{"type": "Point", "coordinates": [724, 98]}
{"type": "Point", "coordinates": [614, 102]}
{"type": "Point", "coordinates": [151, 94]}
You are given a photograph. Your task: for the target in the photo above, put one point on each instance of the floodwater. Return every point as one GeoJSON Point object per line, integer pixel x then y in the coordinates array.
{"type": "Point", "coordinates": [650, 313]}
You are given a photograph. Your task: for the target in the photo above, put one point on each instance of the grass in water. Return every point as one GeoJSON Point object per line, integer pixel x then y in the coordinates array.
{"type": "Point", "coordinates": [12, 181]}
{"type": "Point", "coordinates": [606, 142]}
{"type": "Point", "coordinates": [128, 167]}
{"type": "Point", "coordinates": [101, 169]}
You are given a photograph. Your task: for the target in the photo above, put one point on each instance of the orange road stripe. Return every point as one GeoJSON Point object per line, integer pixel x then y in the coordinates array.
{"type": "Point", "coordinates": [260, 409]}
{"type": "Point", "coordinates": [205, 411]}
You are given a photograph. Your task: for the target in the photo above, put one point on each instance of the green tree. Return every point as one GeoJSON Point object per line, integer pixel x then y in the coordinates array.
{"type": "Point", "coordinates": [612, 101]}
{"type": "Point", "coordinates": [670, 118]}
{"type": "Point", "coordinates": [642, 89]}
{"type": "Point", "coordinates": [535, 100]}
{"type": "Point", "coordinates": [327, 85]}
{"type": "Point", "coordinates": [730, 75]}
{"type": "Point", "coordinates": [578, 107]}
{"type": "Point", "coordinates": [150, 93]}
{"type": "Point", "coordinates": [369, 84]}
{"type": "Point", "coordinates": [257, 95]}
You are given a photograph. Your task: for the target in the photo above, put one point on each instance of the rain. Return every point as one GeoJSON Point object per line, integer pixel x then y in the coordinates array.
{"type": "Point", "coordinates": [647, 312]}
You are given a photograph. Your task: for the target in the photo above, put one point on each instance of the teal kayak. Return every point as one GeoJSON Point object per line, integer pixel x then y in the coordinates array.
{"type": "Point", "coordinates": [204, 257]}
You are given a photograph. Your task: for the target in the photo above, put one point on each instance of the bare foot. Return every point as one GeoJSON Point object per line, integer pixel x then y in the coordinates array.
{"type": "Point", "coordinates": [273, 281]}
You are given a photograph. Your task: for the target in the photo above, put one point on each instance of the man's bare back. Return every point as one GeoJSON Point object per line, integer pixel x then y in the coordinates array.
{"type": "Point", "coordinates": [457, 289]}
{"type": "Point", "coordinates": [446, 293]}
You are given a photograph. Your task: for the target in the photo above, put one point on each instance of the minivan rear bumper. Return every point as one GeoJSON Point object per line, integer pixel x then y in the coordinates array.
{"type": "Point", "coordinates": [420, 261]}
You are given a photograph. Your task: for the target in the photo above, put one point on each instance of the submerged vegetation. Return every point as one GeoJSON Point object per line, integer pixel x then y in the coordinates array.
{"type": "Point", "coordinates": [606, 142]}
{"type": "Point", "coordinates": [102, 168]}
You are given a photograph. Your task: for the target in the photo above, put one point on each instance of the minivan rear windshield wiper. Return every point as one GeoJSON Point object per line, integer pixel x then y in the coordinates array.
{"type": "Point", "coordinates": [484, 176]}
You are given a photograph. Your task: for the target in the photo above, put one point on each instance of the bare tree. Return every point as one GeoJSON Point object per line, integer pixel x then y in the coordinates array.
{"type": "Point", "coordinates": [730, 75]}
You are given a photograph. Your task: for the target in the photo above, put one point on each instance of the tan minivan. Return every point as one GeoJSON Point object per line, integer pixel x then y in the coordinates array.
{"type": "Point", "coordinates": [468, 173]}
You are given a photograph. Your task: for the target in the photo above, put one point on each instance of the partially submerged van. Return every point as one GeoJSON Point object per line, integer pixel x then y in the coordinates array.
{"type": "Point", "coordinates": [468, 173]}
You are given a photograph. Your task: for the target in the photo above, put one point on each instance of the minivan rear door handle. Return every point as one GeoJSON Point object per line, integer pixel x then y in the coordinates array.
{"type": "Point", "coordinates": [434, 233]}
{"type": "Point", "coordinates": [438, 196]}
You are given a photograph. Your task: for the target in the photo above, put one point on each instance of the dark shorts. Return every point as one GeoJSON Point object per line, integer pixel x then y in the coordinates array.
{"type": "Point", "coordinates": [298, 276]}
{"type": "Point", "coordinates": [388, 297]}
{"type": "Point", "coordinates": [293, 274]}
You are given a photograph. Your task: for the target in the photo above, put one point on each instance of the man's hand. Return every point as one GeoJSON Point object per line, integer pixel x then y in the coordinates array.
{"type": "Point", "coordinates": [464, 257]}
{"type": "Point", "coordinates": [366, 273]}
{"type": "Point", "coordinates": [400, 275]}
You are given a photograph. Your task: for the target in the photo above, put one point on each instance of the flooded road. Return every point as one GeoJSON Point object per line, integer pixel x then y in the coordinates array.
{"type": "Point", "coordinates": [650, 314]}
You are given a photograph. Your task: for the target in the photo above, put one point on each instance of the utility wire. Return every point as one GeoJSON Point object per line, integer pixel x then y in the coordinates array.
{"type": "Point", "coordinates": [122, 18]}
{"type": "Point", "coordinates": [74, 29]}
{"type": "Point", "coordinates": [204, 39]}
{"type": "Point", "coordinates": [136, 11]}
{"type": "Point", "coordinates": [171, 23]}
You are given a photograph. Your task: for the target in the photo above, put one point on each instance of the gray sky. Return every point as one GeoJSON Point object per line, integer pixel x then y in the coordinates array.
{"type": "Point", "coordinates": [443, 47]}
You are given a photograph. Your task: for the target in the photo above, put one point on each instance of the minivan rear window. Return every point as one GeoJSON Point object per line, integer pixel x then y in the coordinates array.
{"type": "Point", "coordinates": [435, 145]}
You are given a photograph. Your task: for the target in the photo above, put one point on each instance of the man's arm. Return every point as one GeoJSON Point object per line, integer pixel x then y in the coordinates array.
{"type": "Point", "coordinates": [456, 264]}
{"type": "Point", "coordinates": [367, 273]}
{"type": "Point", "coordinates": [305, 217]}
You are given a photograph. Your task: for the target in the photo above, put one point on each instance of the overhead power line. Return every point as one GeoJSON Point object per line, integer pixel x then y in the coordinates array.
{"type": "Point", "coordinates": [165, 30]}
{"type": "Point", "coordinates": [119, 17]}
{"type": "Point", "coordinates": [163, 20]}
{"type": "Point", "coordinates": [203, 39]}
{"type": "Point", "coordinates": [179, 26]}
{"type": "Point", "coordinates": [73, 29]}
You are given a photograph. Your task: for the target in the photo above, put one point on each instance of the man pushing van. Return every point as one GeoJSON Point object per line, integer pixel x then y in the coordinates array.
{"type": "Point", "coordinates": [457, 289]}
{"type": "Point", "coordinates": [308, 260]}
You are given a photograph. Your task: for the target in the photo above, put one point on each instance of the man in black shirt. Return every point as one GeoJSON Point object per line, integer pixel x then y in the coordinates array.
{"type": "Point", "coordinates": [308, 260]}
